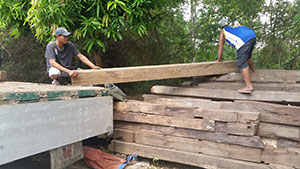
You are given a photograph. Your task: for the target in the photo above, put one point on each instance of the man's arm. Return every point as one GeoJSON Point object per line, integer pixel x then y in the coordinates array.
{"type": "Point", "coordinates": [72, 73]}
{"type": "Point", "coordinates": [221, 45]}
{"type": "Point", "coordinates": [86, 61]}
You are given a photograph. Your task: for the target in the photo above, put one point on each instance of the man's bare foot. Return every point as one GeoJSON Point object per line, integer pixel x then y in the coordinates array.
{"type": "Point", "coordinates": [246, 90]}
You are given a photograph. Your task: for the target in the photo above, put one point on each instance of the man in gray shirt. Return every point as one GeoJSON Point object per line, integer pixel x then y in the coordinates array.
{"type": "Point", "coordinates": [59, 55]}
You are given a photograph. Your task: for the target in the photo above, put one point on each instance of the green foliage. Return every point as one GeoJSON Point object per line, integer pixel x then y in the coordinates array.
{"type": "Point", "coordinates": [91, 20]}
{"type": "Point", "coordinates": [23, 59]}
{"type": "Point", "coordinates": [215, 15]}
{"type": "Point", "coordinates": [12, 16]}
{"type": "Point", "coordinates": [280, 37]}
{"type": "Point", "coordinates": [147, 32]}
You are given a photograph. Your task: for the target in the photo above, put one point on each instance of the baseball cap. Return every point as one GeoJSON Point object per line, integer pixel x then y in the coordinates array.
{"type": "Point", "coordinates": [62, 31]}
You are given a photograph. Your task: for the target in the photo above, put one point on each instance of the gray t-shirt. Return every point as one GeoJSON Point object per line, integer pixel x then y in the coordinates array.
{"type": "Point", "coordinates": [63, 57]}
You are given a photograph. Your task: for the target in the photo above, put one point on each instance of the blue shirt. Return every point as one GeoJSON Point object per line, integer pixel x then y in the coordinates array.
{"type": "Point", "coordinates": [238, 36]}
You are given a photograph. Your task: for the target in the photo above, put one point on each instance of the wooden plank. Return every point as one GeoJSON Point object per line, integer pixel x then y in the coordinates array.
{"type": "Point", "coordinates": [2, 76]}
{"type": "Point", "coordinates": [248, 141]}
{"type": "Point", "coordinates": [281, 143]}
{"type": "Point", "coordinates": [285, 143]}
{"type": "Point", "coordinates": [196, 124]}
{"type": "Point", "coordinates": [277, 131]}
{"type": "Point", "coordinates": [241, 129]}
{"type": "Point", "coordinates": [272, 113]}
{"type": "Point", "coordinates": [66, 155]}
{"type": "Point", "coordinates": [189, 145]}
{"type": "Point", "coordinates": [181, 101]}
{"type": "Point", "coordinates": [238, 129]}
{"type": "Point", "coordinates": [265, 76]}
{"type": "Point", "coordinates": [176, 111]}
{"type": "Point", "coordinates": [270, 96]}
{"type": "Point", "coordinates": [28, 129]}
{"type": "Point", "coordinates": [288, 157]}
{"type": "Point", "coordinates": [156, 72]}
{"type": "Point", "coordinates": [199, 160]}
{"type": "Point", "coordinates": [291, 87]}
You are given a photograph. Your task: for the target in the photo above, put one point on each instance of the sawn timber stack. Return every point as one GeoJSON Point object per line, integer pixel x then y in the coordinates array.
{"type": "Point", "coordinates": [203, 129]}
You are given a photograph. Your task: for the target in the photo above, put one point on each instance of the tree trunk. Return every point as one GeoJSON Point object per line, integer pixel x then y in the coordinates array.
{"type": "Point", "coordinates": [193, 20]}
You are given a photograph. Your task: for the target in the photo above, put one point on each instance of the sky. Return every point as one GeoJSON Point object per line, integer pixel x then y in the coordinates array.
{"type": "Point", "coordinates": [186, 8]}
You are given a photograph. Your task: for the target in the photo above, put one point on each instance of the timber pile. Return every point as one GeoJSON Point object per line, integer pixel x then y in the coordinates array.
{"type": "Point", "coordinates": [213, 126]}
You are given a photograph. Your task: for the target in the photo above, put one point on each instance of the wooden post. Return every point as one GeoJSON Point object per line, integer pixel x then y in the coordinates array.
{"type": "Point", "coordinates": [66, 155]}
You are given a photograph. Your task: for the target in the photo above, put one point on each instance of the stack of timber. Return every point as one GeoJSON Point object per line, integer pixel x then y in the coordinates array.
{"type": "Point", "coordinates": [211, 125]}
{"type": "Point", "coordinates": [35, 118]}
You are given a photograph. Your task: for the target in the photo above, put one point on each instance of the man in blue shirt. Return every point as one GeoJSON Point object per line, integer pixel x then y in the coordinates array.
{"type": "Point", "coordinates": [243, 40]}
{"type": "Point", "coordinates": [59, 55]}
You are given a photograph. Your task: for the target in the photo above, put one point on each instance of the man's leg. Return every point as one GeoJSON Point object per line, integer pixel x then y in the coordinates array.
{"type": "Point", "coordinates": [251, 65]}
{"type": "Point", "coordinates": [243, 60]}
{"type": "Point", "coordinates": [246, 76]}
{"type": "Point", "coordinates": [54, 74]}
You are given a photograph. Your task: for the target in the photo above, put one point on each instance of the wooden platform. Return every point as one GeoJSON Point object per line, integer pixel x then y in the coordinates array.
{"type": "Point", "coordinates": [213, 126]}
{"type": "Point", "coordinates": [38, 117]}
{"type": "Point", "coordinates": [20, 92]}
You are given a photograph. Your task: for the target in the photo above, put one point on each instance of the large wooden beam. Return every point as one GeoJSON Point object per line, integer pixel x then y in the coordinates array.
{"type": "Point", "coordinates": [269, 96]}
{"type": "Point", "coordinates": [290, 87]}
{"type": "Point", "coordinates": [157, 72]}
{"type": "Point", "coordinates": [265, 76]}
{"type": "Point", "coordinates": [196, 124]}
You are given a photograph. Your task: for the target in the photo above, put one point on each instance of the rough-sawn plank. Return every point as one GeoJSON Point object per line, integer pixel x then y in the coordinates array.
{"type": "Point", "coordinates": [156, 72]}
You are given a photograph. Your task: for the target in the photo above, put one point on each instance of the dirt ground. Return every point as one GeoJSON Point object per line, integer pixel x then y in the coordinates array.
{"type": "Point", "coordinates": [42, 160]}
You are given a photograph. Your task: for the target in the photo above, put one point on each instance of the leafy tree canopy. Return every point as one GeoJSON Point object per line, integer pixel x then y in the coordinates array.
{"type": "Point", "coordinates": [90, 20]}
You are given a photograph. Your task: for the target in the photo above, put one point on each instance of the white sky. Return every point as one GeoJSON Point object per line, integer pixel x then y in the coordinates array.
{"type": "Point", "coordinates": [187, 15]}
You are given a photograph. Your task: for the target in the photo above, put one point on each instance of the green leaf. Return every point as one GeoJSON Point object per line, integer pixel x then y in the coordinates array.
{"type": "Point", "coordinates": [100, 43]}
{"type": "Point", "coordinates": [119, 35]}
{"type": "Point", "coordinates": [109, 3]}
{"type": "Point", "coordinates": [90, 46]}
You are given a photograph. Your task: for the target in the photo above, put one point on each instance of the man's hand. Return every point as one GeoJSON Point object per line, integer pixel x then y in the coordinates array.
{"type": "Point", "coordinates": [73, 73]}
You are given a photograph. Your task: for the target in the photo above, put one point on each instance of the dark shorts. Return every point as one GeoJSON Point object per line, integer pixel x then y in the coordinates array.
{"type": "Point", "coordinates": [244, 53]}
